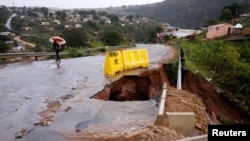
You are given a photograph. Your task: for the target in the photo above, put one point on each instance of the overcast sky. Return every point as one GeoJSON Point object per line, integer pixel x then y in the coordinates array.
{"type": "Point", "coordinates": [75, 3]}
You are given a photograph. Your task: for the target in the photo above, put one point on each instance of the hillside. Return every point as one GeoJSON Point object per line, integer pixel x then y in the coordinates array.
{"type": "Point", "coordinates": [182, 13]}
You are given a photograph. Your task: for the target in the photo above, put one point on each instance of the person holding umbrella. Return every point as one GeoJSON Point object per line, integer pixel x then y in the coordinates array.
{"type": "Point", "coordinates": [57, 42]}
{"type": "Point", "coordinates": [57, 47]}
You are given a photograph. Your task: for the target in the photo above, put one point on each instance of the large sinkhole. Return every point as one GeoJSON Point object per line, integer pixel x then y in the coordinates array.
{"type": "Point", "coordinates": [133, 88]}
{"type": "Point", "coordinates": [148, 85]}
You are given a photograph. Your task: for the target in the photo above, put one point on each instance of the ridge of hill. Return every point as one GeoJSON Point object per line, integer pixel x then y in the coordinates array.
{"type": "Point", "coordinates": [182, 13]}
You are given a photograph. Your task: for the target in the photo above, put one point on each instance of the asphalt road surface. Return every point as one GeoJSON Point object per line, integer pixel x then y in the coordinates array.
{"type": "Point", "coordinates": [26, 88]}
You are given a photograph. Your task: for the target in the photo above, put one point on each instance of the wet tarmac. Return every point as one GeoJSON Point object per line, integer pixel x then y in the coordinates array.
{"type": "Point", "coordinates": [26, 87]}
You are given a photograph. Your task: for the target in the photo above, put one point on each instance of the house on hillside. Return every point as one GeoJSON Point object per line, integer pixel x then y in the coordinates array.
{"type": "Point", "coordinates": [18, 49]}
{"type": "Point", "coordinates": [238, 28]}
{"type": "Point", "coordinates": [219, 30]}
{"type": "Point", "coordinates": [170, 29]}
{"type": "Point", "coordinates": [78, 26]}
{"type": "Point", "coordinates": [45, 23]}
{"type": "Point", "coordinates": [7, 33]}
{"type": "Point", "coordinates": [245, 16]}
{"type": "Point", "coordinates": [58, 22]}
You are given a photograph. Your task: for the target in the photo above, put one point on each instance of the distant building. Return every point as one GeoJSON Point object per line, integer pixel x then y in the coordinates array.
{"type": "Point", "coordinates": [169, 28]}
{"type": "Point", "coordinates": [238, 28]}
{"type": "Point", "coordinates": [245, 16]}
{"type": "Point", "coordinates": [9, 42]}
{"type": "Point", "coordinates": [219, 30]}
{"type": "Point", "coordinates": [58, 22]}
{"type": "Point", "coordinates": [26, 28]}
{"type": "Point", "coordinates": [18, 49]}
{"type": "Point", "coordinates": [177, 32]}
{"type": "Point", "coordinates": [45, 23]}
{"type": "Point", "coordinates": [7, 33]}
{"type": "Point", "coordinates": [181, 33]}
{"type": "Point", "coordinates": [78, 25]}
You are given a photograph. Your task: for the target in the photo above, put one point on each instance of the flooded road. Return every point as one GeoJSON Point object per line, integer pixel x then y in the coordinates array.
{"type": "Point", "coordinates": [26, 88]}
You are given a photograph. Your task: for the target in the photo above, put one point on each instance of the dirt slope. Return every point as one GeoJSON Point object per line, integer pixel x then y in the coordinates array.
{"type": "Point", "coordinates": [197, 95]}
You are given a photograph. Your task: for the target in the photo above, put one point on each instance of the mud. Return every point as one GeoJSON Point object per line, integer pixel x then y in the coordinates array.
{"type": "Point", "coordinates": [150, 132]}
{"type": "Point", "coordinates": [148, 84]}
{"type": "Point", "coordinates": [217, 104]}
{"type": "Point", "coordinates": [131, 88]}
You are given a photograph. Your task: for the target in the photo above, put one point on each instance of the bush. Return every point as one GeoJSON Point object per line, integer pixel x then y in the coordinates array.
{"type": "Point", "coordinates": [74, 52]}
{"type": "Point", "coordinates": [39, 49]}
{"type": "Point", "coordinates": [3, 47]}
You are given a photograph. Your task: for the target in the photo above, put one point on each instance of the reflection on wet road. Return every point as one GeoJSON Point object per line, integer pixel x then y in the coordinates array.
{"type": "Point", "coordinates": [24, 88]}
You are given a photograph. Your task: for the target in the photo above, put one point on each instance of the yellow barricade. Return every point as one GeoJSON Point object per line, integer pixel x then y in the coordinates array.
{"type": "Point", "coordinates": [113, 63]}
{"type": "Point", "coordinates": [119, 61]}
{"type": "Point", "coordinates": [135, 58]}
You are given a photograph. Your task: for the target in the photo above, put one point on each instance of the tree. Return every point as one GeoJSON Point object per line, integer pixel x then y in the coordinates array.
{"type": "Point", "coordinates": [235, 8]}
{"type": "Point", "coordinates": [102, 22]}
{"type": "Point", "coordinates": [61, 15]}
{"type": "Point", "coordinates": [45, 11]}
{"type": "Point", "coordinates": [113, 18]}
{"type": "Point", "coordinates": [226, 15]}
{"type": "Point", "coordinates": [102, 13]}
{"type": "Point", "coordinates": [111, 38]}
{"type": "Point", "coordinates": [3, 47]}
{"type": "Point", "coordinates": [130, 17]}
{"type": "Point", "coordinates": [4, 13]}
{"type": "Point", "coordinates": [4, 38]}
{"type": "Point", "coordinates": [3, 28]}
{"type": "Point", "coordinates": [51, 15]}
{"type": "Point", "coordinates": [75, 38]}
{"type": "Point", "coordinates": [152, 35]}
{"type": "Point", "coordinates": [92, 25]}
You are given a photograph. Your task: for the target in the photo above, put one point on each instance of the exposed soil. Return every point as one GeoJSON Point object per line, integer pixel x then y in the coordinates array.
{"type": "Point", "coordinates": [17, 38]}
{"type": "Point", "coordinates": [217, 104]}
{"type": "Point", "coordinates": [197, 95]}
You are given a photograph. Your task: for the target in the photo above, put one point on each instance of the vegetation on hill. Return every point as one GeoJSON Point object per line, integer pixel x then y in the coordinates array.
{"type": "Point", "coordinates": [225, 63]}
{"type": "Point", "coordinates": [81, 28]}
{"type": "Point", "coordinates": [93, 28]}
{"type": "Point", "coordinates": [224, 60]}
{"type": "Point", "coordinates": [184, 13]}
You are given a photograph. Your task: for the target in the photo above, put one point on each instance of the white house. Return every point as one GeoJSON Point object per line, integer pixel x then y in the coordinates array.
{"type": "Point", "coordinates": [78, 25]}
{"type": "Point", "coordinates": [238, 28]}
{"type": "Point", "coordinates": [18, 49]}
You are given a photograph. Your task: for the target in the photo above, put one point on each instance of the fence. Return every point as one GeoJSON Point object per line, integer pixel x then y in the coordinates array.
{"type": "Point", "coordinates": [30, 54]}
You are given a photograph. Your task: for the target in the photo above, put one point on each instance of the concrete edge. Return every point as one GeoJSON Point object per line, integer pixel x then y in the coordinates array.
{"type": "Point", "coordinates": [195, 138]}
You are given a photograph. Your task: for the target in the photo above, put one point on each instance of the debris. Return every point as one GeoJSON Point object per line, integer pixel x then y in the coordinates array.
{"type": "Point", "coordinates": [27, 97]}
{"type": "Point", "coordinates": [78, 130]}
{"type": "Point", "coordinates": [44, 122]}
{"type": "Point", "coordinates": [20, 134]}
{"type": "Point", "coordinates": [10, 126]}
{"type": "Point", "coordinates": [67, 96]}
{"type": "Point", "coordinates": [68, 108]}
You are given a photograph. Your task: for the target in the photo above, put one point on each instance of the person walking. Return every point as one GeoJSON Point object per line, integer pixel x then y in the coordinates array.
{"type": "Point", "coordinates": [57, 47]}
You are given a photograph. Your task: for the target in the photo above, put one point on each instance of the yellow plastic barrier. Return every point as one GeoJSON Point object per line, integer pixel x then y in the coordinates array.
{"type": "Point", "coordinates": [113, 63]}
{"type": "Point", "coordinates": [135, 58]}
{"type": "Point", "coordinates": [119, 61]}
